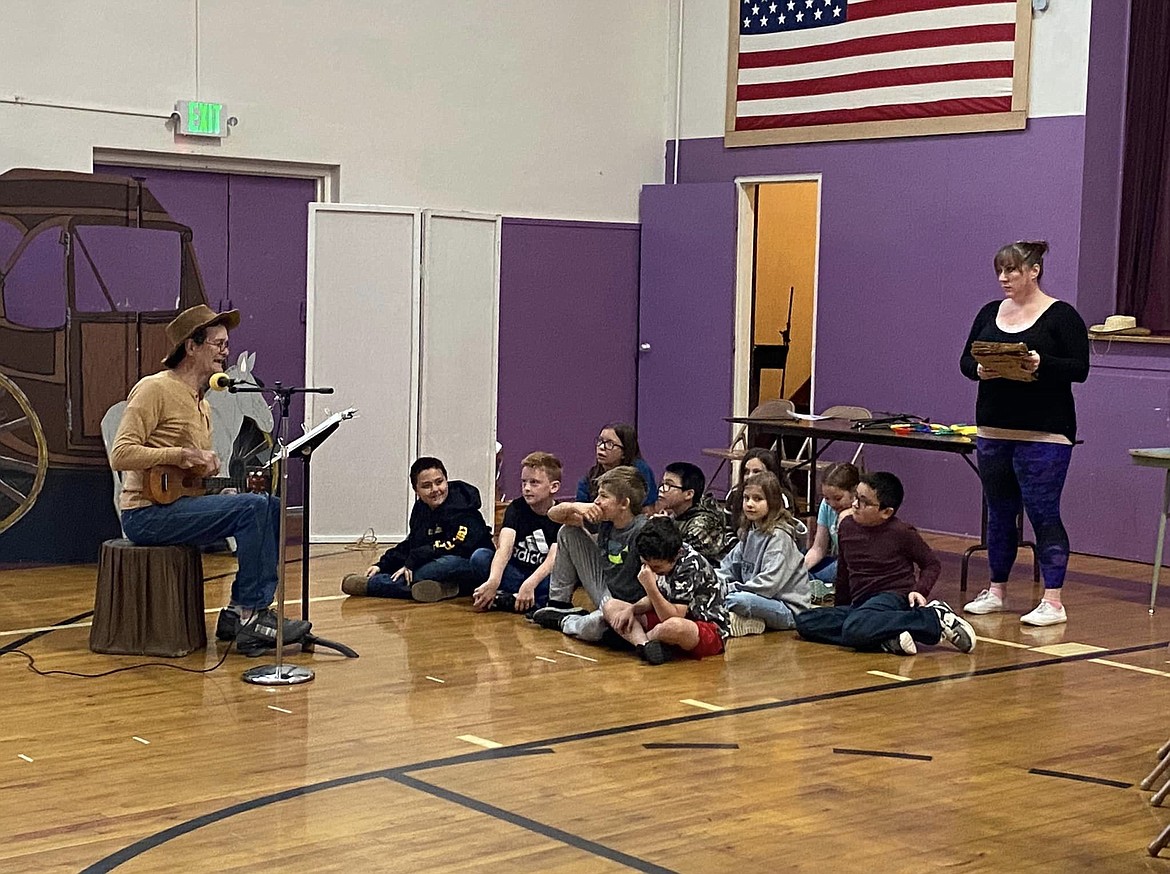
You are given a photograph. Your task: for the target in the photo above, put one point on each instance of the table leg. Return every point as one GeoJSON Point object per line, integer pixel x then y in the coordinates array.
{"type": "Point", "coordinates": [1161, 541]}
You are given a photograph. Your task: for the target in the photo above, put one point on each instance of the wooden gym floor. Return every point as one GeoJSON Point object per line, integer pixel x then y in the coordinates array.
{"type": "Point", "coordinates": [479, 742]}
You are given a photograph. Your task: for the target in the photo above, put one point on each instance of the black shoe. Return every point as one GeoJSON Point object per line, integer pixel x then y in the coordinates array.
{"type": "Point", "coordinates": [228, 624]}
{"type": "Point", "coordinates": [654, 652]}
{"type": "Point", "coordinates": [612, 640]}
{"type": "Point", "coordinates": [505, 601]}
{"type": "Point", "coordinates": [259, 632]}
{"type": "Point", "coordinates": [903, 644]}
{"type": "Point", "coordinates": [552, 617]}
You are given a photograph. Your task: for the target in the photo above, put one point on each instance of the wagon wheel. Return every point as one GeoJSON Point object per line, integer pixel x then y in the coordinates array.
{"type": "Point", "coordinates": [21, 477]}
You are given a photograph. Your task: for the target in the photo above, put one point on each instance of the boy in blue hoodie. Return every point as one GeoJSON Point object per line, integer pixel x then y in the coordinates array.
{"type": "Point", "coordinates": [434, 561]}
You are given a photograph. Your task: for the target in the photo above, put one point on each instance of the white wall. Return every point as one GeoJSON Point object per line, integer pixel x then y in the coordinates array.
{"type": "Point", "coordinates": [517, 107]}
{"type": "Point", "coordinates": [1059, 68]}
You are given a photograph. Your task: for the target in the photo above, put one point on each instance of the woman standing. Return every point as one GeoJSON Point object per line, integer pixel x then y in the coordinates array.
{"type": "Point", "coordinates": [1027, 424]}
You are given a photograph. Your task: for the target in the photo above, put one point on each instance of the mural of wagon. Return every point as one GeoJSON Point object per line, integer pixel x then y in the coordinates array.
{"type": "Point", "coordinates": [92, 268]}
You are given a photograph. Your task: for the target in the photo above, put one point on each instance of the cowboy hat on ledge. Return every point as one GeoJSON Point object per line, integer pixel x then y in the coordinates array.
{"type": "Point", "coordinates": [1116, 325]}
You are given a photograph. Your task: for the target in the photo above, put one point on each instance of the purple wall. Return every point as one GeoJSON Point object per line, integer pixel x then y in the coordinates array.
{"type": "Point", "coordinates": [568, 339]}
{"type": "Point", "coordinates": [908, 228]}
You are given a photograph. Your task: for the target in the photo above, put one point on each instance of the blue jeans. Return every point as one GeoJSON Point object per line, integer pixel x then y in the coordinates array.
{"type": "Point", "coordinates": [512, 578]}
{"type": "Point", "coordinates": [254, 520]}
{"type": "Point", "coordinates": [776, 614]}
{"type": "Point", "coordinates": [825, 570]}
{"type": "Point", "coordinates": [866, 626]}
{"type": "Point", "coordinates": [1015, 473]}
{"type": "Point", "coordinates": [446, 568]}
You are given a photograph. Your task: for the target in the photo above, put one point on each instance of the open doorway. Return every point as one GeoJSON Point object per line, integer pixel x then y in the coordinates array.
{"type": "Point", "coordinates": [776, 291]}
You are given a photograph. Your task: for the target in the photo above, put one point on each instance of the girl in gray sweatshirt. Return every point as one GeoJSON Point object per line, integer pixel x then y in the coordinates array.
{"type": "Point", "coordinates": [764, 576]}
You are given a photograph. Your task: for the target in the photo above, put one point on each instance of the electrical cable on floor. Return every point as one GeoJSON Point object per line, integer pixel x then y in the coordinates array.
{"type": "Point", "coordinates": [32, 666]}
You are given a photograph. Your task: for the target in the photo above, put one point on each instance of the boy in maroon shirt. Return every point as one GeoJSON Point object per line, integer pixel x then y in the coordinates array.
{"type": "Point", "coordinates": [882, 601]}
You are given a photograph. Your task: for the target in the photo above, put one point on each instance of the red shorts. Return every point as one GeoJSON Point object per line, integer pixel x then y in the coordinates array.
{"type": "Point", "coordinates": [710, 642]}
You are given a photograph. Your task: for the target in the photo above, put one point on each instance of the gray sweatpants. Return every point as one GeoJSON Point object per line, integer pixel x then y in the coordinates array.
{"type": "Point", "coordinates": [579, 562]}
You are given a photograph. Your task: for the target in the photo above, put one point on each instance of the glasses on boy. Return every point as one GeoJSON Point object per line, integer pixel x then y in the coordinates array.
{"type": "Point", "coordinates": [667, 487]}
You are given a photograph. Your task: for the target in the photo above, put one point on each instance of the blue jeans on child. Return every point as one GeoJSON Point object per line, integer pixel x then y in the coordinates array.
{"type": "Point", "coordinates": [776, 614]}
{"type": "Point", "coordinates": [254, 520]}
{"type": "Point", "coordinates": [1019, 473]}
{"type": "Point", "coordinates": [825, 570]}
{"type": "Point", "coordinates": [866, 626]}
{"type": "Point", "coordinates": [447, 568]}
{"type": "Point", "coordinates": [512, 578]}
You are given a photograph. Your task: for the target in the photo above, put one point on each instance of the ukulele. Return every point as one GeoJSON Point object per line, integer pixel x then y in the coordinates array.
{"type": "Point", "coordinates": [165, 484]}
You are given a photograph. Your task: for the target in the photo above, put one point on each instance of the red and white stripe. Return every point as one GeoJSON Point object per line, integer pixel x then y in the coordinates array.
{"type": "Point", "coordinates": [892, 59]}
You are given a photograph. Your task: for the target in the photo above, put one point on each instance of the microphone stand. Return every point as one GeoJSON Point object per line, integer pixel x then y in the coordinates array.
{"type": "Point", "coordinates": [278, 674]}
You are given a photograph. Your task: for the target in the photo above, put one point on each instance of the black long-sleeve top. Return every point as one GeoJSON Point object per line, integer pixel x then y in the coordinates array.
{"type": "Point", "coordinates": [1061, 338]}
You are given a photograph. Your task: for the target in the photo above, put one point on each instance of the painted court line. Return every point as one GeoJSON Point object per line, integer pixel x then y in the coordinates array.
{"type": "Point", "coordinates": [23, 756]}
{"type": "Point", "coordinates": [1010, 643]}
{"type": "Point", "coordinates": [278, 709]}
{"type": "Point", "coordinates": [546, 659]}
{"type": "Point", "coordinates": [888, 676]}
{"type": "Point", "coordinates": [1137, 668]}
{"type": "Point", "coordinates": [479, 741]}
{"type": "Point", "coordinates": [714, 708]}
{"type": "Point", "coordinates": [141, 740]}
{"type": "Point", "coordinates": [574, 655]}
{"type": "Point", "coordinates": [1064, 775]}
{"type": "Point", "coordinates": [435, 679]}
{"type": "Point", "coordinates": [1068, 649]}
{"type": "Point", "coordinates": [882, 754]}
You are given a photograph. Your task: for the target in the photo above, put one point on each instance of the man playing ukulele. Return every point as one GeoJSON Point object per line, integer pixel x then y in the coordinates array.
{"type": "Point", "coordinates": [168, 422]}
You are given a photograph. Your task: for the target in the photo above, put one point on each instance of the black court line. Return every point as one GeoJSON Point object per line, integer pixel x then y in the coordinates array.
{"type": "Point", "coordinates": [1100, 781]}
{"type": "Point", "coordinates": [109, 863]}
{"type": "Point", "coordinates": [59, 626]}
{"type": "Point", "coordinates": [667, 746]}
{"type": "Point", "coordinates": [884, 754]}
{"type": "Point", "coordinates": [532, 825]}
{"type": "Point", "coordinates": [29, 638]}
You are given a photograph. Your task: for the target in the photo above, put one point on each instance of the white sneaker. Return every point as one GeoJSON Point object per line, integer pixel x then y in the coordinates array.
{"type": "Point", "coordinates": [985, 602]}
{"type": "Point", "coordinates": [1046, 613]}
{"type": "Point", "coordinates": [742, 626]}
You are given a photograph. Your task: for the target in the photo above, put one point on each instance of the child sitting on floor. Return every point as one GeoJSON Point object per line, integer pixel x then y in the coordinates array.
{"type": "Point", "coordinates": [516, 573]}
{"type": "Point", "coordinates": [683, 606]}
{"type": "Point", "coordinates": [882, 601]}
{"type": "Point", "coordinates": [836, 501]}
{"type": "Point", "coordinates": [767, 585]}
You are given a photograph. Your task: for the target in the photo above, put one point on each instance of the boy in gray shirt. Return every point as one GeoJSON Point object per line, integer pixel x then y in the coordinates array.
{"type": "Point", "coordinates": [596, 549]}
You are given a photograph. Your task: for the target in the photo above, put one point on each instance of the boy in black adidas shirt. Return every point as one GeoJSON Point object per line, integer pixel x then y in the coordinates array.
{"type": "Point", "coordinates": [516, 573]}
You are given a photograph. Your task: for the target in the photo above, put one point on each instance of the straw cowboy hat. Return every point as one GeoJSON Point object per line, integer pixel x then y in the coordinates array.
{"type": "Point", "coordinates": [191, 320]}
{"type": "Point", "coordinates": [1120, 325]}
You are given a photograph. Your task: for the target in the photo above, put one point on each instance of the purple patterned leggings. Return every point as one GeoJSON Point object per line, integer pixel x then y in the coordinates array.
{"type": "Point", "coordinates": [1015, 473]}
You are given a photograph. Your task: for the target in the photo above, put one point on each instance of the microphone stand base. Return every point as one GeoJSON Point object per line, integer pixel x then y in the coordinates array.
{"type": "Point", "coordinates": [271, 675]}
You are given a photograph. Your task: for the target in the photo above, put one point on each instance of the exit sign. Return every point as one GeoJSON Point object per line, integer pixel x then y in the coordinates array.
{"type": "Point", "coordinates": [199, 118]}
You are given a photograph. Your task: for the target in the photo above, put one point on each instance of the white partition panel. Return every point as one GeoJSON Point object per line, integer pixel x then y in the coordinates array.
{"type": "Point", "coordinates": [458, 361]}
{"type": "Point", "coordinates": [361, 337]}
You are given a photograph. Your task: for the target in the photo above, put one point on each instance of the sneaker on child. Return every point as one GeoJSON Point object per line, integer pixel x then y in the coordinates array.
{"type": "Point", "coordinates": [505, 601]}
{"type": "Point", "coordinates": [903, 644]}
{"type": "Point", "coordinates": [552, 617]}
{"type": "Point", "coordinates": [430, 591]}
{"type": "Point", "coordinates": [985, 602]}
{"type": "Point", "coordinates": [742, 626]}
{"type": "Point", "coordinates": [1046, 613]}
{"type": "Point", "coordinates": [956, 630]}
{"type": "Point", "coordinates": [654, 652]}
{"type": "Point", "coordinates": [354, 584]}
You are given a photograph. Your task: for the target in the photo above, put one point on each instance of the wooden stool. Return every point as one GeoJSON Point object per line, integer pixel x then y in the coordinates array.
{"type": "Point", "coordinates": [149, 600]}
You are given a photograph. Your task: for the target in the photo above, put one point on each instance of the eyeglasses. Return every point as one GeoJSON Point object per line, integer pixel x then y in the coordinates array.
{"type": "Point", "coordinates": [864, 502]}
{"type": "Point", "coordinates": [608, 444]}
{"type": "Point", "coordinates": [666, 487]}
{"type": "Point", "coordinates": [221, 345]}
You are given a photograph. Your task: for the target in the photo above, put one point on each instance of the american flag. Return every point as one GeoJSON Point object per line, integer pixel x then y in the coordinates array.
{"type": "Point", "coordinates": [808, 70]}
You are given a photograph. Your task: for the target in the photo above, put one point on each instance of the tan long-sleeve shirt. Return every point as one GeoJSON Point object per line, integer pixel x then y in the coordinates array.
{"type": "Point", "coordinates": [163, 416]}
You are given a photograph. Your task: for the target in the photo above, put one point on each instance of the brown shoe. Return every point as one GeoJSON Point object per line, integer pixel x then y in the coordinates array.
{"type": "Point", "coordinates": [354, 584]}
{"type": "Point", "coordinates": [430, 591]}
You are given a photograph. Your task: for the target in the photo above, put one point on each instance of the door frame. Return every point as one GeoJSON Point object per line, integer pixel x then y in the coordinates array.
{"type": "Point", "coordinates": [745, 257]}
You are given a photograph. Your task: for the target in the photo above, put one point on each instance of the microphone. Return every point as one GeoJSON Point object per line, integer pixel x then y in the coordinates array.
{"type": "Point", "coordinates": [221, 382]}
